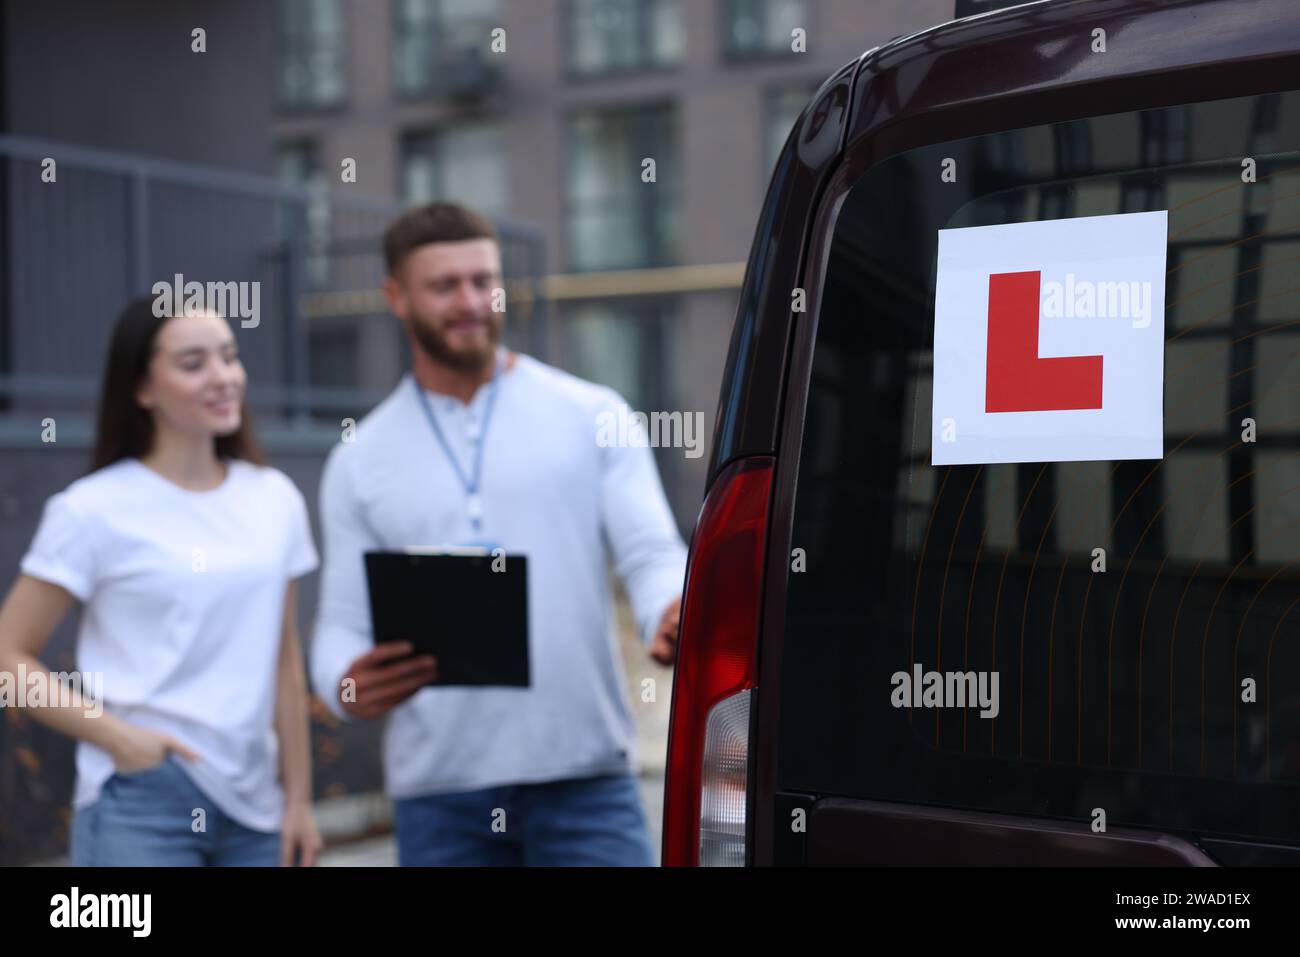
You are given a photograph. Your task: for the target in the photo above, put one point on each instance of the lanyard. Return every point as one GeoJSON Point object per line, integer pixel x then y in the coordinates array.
{"type": "Point", "coordinates": [474, 503]}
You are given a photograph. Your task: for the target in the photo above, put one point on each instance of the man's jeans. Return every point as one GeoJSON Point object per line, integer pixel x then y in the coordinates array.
{"type": "Point", "coordinates": [146, 819]}
{"type": "Point", "coordinates": [592, 822]}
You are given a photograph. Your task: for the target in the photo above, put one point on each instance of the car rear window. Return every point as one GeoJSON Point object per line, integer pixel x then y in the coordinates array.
{"type": "Point", "coordinates": [1164, 689]}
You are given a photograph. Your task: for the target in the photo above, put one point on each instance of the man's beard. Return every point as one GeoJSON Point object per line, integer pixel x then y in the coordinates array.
{"type": "Point", "coordinates": [434, 343]}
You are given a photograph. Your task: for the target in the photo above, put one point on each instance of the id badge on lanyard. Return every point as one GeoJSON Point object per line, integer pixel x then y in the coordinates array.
{"type": "Point", "coordinates": [471, 483]}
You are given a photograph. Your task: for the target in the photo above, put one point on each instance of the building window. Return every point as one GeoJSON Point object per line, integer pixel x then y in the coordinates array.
{"type": "Point", "coordinates": [463, 164]}
{"type": "Point", "coordinates": [618, 343]}
{"type": "Point", "coordinates": [781, 111]}
{"type": "Point", "coordinates": [441, 47]}
{"type": "Point", "coordinates": [762, 27]}
{"type": "Point", "coordinates": [311, 50]}
{"type": "Point", "coordinates": [608, 36]}
{"type": "Point", "coordinates": [297, 163]}
{"type": "Point", "coordinates": [615, 220]}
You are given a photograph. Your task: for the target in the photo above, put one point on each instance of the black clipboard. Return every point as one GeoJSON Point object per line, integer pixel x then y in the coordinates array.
{"type": "Point", "coordinates": [452, 604]}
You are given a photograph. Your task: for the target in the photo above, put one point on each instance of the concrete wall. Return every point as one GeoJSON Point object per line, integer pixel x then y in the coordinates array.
{"type": "Point", "coordinates": [121, 75]}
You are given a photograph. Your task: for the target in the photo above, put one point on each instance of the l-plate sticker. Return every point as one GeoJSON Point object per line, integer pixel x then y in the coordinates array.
{"type": "Point", "coordinates": [1049, 341]}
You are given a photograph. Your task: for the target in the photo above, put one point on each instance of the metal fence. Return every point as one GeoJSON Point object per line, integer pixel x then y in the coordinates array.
{"type": "Point", "coordinates": [89, 229]}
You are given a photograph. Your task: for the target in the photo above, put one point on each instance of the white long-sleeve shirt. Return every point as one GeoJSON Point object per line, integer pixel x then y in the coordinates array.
{"type": "Point", "coordinates": [550, 491]}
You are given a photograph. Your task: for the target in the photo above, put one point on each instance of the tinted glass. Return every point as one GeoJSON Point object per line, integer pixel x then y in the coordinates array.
{"type": "Point", "coordinates": [1120, 689]}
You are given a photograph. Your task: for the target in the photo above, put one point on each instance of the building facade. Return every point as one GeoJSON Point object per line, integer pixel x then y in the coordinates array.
{"type": "Point", "coordinates": [549, 122]}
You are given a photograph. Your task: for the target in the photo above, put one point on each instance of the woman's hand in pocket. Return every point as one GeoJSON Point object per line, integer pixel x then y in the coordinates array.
{"type": "Point", "coordinates": [138, 749]}
{"type": "Point", "coordinates": [300, 841]}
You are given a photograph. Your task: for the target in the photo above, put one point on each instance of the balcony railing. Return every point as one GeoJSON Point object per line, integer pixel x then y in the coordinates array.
{"type": "Point", "coordinates": [113, 224]}
{"type": "Point", "coordinates": [451, 59]}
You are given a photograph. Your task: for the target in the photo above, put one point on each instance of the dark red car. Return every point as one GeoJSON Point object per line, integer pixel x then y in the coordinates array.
{"type": "Point", "coordinates": [1148, 704]}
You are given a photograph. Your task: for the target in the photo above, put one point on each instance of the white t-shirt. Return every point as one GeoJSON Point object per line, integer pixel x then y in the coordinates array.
{"type": "Point", "coordinates": [184, 600]}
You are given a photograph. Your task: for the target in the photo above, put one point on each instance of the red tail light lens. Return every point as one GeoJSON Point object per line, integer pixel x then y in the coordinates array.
{"type": "Point", "coordinates": [717, 645]}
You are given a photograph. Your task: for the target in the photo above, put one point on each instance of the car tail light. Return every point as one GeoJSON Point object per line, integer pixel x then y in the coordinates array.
{"type": "Point", "coordinates": [723, 786]}
{"type": "Point", "coordinates": [708, 740]}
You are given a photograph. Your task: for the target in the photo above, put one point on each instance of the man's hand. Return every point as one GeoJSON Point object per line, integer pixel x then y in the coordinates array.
{"type": "Point", "coordinates": [376, 684]}
{"type": "Point", "coordinates": [663, 648]}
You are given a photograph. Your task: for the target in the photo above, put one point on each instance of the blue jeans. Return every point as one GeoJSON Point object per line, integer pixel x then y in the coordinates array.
{"type": "Point", "coordinates": [146, 819]}
{"type": "Point", "coordinates": [589, 822]}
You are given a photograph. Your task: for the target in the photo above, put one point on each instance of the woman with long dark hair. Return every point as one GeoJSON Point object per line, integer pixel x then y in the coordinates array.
{"type": "Point", "coordinates": [184, 550]}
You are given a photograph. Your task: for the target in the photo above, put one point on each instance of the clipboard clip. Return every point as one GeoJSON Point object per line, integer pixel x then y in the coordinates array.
{"type": "Point", "coordinates": [476, 551]}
